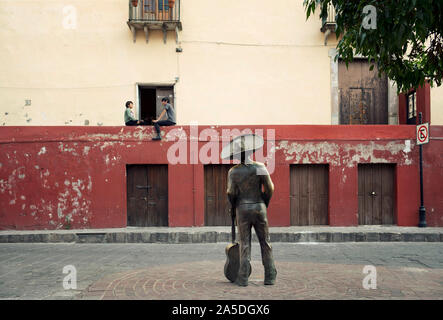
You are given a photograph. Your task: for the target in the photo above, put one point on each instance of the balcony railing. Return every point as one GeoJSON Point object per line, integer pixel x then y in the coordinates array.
{"type": "Point", "coordinates": [154, 15]}
{"type": "Point", "coordinates": [329, 23]}
{"type": "Point", "coordinates": [155, 10]}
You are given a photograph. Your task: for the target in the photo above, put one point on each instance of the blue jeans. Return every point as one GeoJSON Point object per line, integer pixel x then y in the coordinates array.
{"type": "Point", "coordinates": [162, 123]}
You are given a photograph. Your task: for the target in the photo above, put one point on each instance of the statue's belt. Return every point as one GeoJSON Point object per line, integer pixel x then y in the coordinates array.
{"type": "Point", "coordinates": [255, 202]}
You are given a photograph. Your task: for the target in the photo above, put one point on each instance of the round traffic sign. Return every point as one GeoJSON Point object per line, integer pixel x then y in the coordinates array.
{"type": "Point", "coordinates": [422, 133]}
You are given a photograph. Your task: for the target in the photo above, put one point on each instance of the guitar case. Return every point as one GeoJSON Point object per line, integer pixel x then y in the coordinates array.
{"type": "Point", "coordinates": [232, 251]}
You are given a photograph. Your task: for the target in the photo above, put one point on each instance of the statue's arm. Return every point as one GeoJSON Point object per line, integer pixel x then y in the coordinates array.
{"type": "Point", "coordinates": [231, 190]}
{"type": "Point", "coordinates": [268, 186]}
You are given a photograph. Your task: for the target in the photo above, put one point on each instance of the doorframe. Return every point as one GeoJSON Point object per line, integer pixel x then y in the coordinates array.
{"type": "Point", "coordinates": [335, 103]}
{"type": "Point", "coordinates": [152, 85]}
{"type": "Point", "coordinates": [328, 167]}
{"type": "Point", "coordinates": [205, 212]}
{"type": "Point", "coordinates": [126, 164]}
{"type": "Point", "coordinates": [395, 194]}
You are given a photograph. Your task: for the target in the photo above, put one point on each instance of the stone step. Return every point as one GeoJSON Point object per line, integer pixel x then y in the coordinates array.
{"type": "Point", "coordinates": [223, 234]}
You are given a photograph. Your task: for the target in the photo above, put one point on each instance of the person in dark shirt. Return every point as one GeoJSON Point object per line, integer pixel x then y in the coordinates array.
{"type": "Point", "coordinates": [170, 121]}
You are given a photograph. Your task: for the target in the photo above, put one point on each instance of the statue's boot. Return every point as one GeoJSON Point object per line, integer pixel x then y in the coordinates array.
{"type": "Point", "coordinates": [270, 274]}
{"type": "Point", "coordinates": [241, 282]}
{"type": "Point", "coordinates": [243, 274]}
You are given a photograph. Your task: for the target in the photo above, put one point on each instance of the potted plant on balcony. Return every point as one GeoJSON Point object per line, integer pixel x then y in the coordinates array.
{"type": "Point", "coordinates": [134, 3]}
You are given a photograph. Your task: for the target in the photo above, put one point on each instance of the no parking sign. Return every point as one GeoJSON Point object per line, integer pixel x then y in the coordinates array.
{"type": "Point", "coordinates": [423, 133]}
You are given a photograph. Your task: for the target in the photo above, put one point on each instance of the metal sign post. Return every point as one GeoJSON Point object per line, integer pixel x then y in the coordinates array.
{"type": "Point", "coordinates": [422, 138]}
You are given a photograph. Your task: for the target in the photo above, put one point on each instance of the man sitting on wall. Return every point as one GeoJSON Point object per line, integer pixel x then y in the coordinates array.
{"type": "Point", "coordinates": [130, 119]}
{"type": "Point", "coordinates": [170, 121]}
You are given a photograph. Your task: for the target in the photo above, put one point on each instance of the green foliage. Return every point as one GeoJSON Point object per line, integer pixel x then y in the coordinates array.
{"type": "Point", "coordinates": [407, 44]}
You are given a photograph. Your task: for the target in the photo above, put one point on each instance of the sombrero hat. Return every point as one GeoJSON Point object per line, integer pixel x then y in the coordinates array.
{"type": "Point", "coordinates": [245, 143]}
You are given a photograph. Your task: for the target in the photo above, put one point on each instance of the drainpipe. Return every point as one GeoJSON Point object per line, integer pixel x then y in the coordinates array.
{"type": "Point", "coordinates": [327, 33]}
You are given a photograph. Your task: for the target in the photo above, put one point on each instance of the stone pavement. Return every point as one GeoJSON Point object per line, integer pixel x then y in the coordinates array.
{"type": "Point", "coordinates": [404, 270]}
{"type": "Point", "coordinates": [222, 234]}
{"type": "Point", "coordinates": [205, 281]}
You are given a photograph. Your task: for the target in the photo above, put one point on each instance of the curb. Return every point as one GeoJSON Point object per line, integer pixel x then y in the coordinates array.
{"type": "Point", "coordinates": [217, 236]}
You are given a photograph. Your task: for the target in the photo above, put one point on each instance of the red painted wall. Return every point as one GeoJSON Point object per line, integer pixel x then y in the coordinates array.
{"type": "Point", "coordinates": [423, 101]}
{"type": "Point", "coordinates": [75, 177]}
{"type": "Point", "coordinates": [433, 177]}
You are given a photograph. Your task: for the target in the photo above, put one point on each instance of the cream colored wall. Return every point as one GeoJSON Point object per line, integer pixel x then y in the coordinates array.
{"type": "Point", "coordinates": [243, 62]}
{"type": "Point", "coordinates": [437, 105]}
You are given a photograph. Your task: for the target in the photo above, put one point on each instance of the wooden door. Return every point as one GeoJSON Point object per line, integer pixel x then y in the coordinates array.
{"type": "Point", "coordinates": [147, 195]}
{"type": "Point", "coordinates": [217, 204]}
{"type": "Point", "coordinates": [376, 194]}
{"type": "Point", "coordinates": [363, 95]}
{"type": "Point", "coordinates": [309, 194]}
{"type": "Point", "coordinates": [360, 105]}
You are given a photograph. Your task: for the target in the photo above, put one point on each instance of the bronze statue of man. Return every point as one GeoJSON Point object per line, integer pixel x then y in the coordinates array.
{"type": "Point", "coordinates": [249, 191]}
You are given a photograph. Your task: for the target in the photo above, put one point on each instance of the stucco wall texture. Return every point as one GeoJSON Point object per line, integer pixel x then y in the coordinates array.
{"type": "Point", "coordinates": [243, 63]}
{"type": "Point", "coordinates": [75, 177]}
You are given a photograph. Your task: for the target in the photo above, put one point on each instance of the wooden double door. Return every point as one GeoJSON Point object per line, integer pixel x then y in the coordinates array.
{"type": "Point", "coordinates": [376, 194]}
{"type": "Point", "coordinates": [309, 190]}
{"type": "Point", "coordinates": [217, 204]}
{"type": "Point", "coordinates": [147, 195]}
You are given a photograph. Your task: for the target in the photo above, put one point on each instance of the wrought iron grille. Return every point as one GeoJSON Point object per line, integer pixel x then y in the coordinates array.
{"type": "Point", "coordinates": [329, 21]}
{"type": "Point", "coordinates": [155, 10]}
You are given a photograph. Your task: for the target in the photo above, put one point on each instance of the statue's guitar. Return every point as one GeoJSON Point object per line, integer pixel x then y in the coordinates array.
{"type": "Point", "coordinates": [232, 250]}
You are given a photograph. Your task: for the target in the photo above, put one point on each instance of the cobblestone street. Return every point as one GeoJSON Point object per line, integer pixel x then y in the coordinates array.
{"type": "Point", "coordinates": [195, 271]}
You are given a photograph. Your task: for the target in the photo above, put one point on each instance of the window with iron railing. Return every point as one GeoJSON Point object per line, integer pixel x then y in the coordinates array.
{"type": "Point", "coordinates": [155, 10]}
{"type": "Point", "coordinates": [148, 15]}
{"type": "Point", "coordinates": [329, 21]}
{"type": "Point", "coordinates": [156, 5]}
{"type": "Point", "coordinates": [411, 105]}
{"type": "Point", "coordinates": [328, 24]}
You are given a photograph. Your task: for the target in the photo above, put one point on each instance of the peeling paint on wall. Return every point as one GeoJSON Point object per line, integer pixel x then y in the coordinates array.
{"type": "Point", "coordinates": [310, 152]}
{"type": "Point", "coordinates": [407, 146]}
{"type": "Point", "coordinates": [347, 154]}
{"type": "Point", "coordinates": [66, 148]}
{"type": "Point", "coordinates": [33, 192]}
{"type": "Point", "coordinates": [3, 186]}
{"type": "Point", "coordinates": [71, 202]}
{"type": "Point", "coordinates": [42, 151]}
{"type": "Point", "coordinates": [368, 153]}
